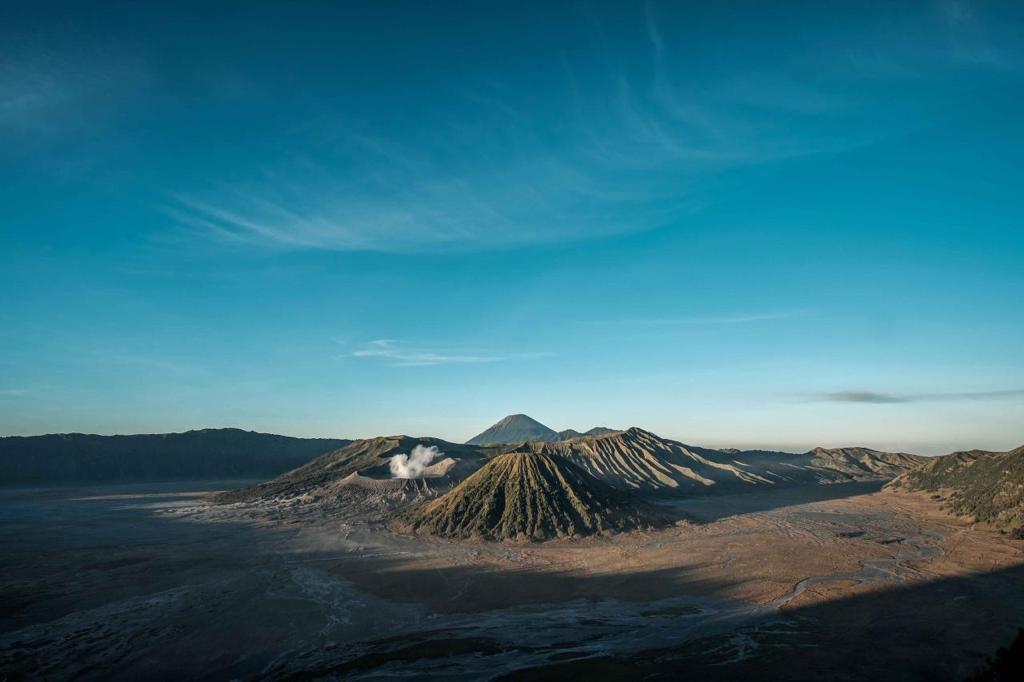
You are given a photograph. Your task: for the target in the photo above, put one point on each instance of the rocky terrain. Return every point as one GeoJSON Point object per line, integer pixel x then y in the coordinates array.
{"type": "Point", "coordinates": [864, 463]}
{"type": "Point", "coordinates": [540, 489]}
{"type": "Point", "coordinates": [530, 496]}
{"type": "Point", "coordinates": [641, 461]}
{"type": "Point", "coordinates": [986, 486]}
{"type": "Point", "coordinates": [356, 479]}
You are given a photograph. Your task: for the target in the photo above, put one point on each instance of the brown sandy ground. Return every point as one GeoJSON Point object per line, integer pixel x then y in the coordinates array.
{"type": "Point", "coordinates": [939, 618]}
{"type": "Point", "coordinates": [827, 582]}
{"type": "Point", "coordinates": [756, 557]}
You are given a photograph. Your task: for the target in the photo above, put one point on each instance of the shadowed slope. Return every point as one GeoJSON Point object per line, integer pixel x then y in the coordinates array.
{"type": "Point", "coordinates": [897, 634]}
{"type": "Point", "coordinates": [529, 496]}
{"type": "Point", "coordinates": [192, 455]}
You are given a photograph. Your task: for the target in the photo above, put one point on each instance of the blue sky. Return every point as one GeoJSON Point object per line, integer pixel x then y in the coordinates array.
{"type": "Point", "coordinates": [731, 223]}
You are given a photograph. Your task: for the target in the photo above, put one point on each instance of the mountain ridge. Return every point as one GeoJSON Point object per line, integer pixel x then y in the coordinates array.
{"type": "Point", "coordinates": [198, 454]}
{"type": "Point", "coordinates": [985, 485]}
{"type": "Point", "coordinates": [368, 457]}
{"type": "Point", "coordinates": [634, 460]}
{"type": "Point", "coordinates": [641, 461]}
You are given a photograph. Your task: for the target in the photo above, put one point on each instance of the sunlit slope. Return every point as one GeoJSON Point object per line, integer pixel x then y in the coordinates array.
{"type": "Point", "coordinates": [641, 461]}
{"type": "Point", "coordinates": [633, 460]}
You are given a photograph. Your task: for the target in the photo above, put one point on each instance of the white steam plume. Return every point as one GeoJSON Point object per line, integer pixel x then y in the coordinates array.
{"type": "Point", "coordinates": [413, 464]}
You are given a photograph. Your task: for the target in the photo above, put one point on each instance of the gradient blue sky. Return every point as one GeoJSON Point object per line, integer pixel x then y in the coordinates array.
{"type": "Point", "coordinates": [770, 224]}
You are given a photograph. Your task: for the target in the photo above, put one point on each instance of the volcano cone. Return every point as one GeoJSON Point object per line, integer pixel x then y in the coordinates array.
{"type": "Point", "coordinates": [531, 496]}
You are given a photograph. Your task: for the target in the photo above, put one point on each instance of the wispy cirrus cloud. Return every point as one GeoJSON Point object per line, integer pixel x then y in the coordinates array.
{"type": "Point", "coordinates": [399, 354]}
{"type": "Point", "coordinates": [857, 396]}
{"type": "Point", "coordinates": [612, 137]}
{"type": "Point", "coordinates": [615, 147]}
{"type": "Point", "coordinates": [50, 90]}
{"type": "Point", "coordinates": [394, 198]}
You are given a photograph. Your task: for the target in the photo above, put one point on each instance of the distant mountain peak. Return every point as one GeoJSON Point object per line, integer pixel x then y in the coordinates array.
{"type": "Point", "coordinates": [519, 428]}
{"type": "Point", "coordinates": [637, 432]}
{"type": "Point", "coordinates": [515, 428]}
{"type": "Point", "coordinates": [519, 420]}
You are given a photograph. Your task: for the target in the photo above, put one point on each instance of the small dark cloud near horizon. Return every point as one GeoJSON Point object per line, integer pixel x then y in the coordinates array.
{"type": "Point", "coordinates": [885, 398]}
{"type": "Point", "coordinates": [861, 397]}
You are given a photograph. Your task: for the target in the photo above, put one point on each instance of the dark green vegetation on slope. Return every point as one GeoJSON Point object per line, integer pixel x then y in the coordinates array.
{"type": "Point", "coordinates": [988, 486]}
{"type": "Point", "coordinates": [193, 455]}
{"type": "Point", "coordinates": [533, 497]}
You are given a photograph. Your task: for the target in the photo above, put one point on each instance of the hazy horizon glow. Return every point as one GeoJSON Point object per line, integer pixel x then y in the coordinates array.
{"type": "Point", "coordinates": [733, 226]}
